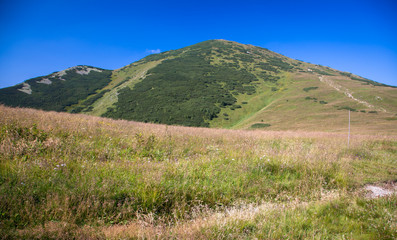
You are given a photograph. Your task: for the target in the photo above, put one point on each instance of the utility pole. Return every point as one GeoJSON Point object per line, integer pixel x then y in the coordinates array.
{"type": "Point", "coordinates": [348, 136]}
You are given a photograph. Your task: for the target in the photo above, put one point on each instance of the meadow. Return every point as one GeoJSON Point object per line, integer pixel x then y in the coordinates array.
{"type": "Point", "coordinates": [66, 176]}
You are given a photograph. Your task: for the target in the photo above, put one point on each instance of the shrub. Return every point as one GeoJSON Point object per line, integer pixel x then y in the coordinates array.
{"type": "Point", "coordinates": [260, 125]}
{"type": "Point", "coordinates": [347, 108]}
{"type": "Point", "coordinates": [309, 88]}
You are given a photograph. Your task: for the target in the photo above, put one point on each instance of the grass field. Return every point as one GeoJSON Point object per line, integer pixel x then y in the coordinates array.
{"type": "Point", "coordinates": [66, 176]}
{"type": "Point", "coordinates": [323, 108]}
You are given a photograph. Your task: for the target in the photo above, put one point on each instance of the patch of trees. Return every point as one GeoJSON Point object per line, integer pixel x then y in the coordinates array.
{"type": "Point", "coordinates": [269, 78]}
{"type": "Point", "coordinates": [184, 91]}
{"type": "Point", "coordinates": [89, 101]}
{"type": "Point", "coordinates": [315, 100]}
{"type": "Point", "coordinates": [278, 62]}
{"type": "Point", "coordinates": [267, 67]}
{"type": "Point", "coordinates": [309, 88]}
{"type": "Point", "coordinates": [321, 72]}
{"type": "Point", "coordinates": [57, 95]}
{"type": "Point", "coordinates": [347, 108]}
{"type": "Point", "coordinates": [260, 125]}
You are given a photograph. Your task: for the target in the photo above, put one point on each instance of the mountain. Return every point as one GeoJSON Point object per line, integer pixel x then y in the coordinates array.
{"type": "Point", "coordinates": [57, 91]}
{"type": "Point", "coordinates": [216, 83]}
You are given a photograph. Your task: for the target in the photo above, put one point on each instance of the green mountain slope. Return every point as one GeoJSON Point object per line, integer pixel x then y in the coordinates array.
{"type": "Point", "coordinates": [222, 84]}
{"type": "Point", "coordinates": [192, 85]}
{"type": "Point", "coordinates": [57, 91]}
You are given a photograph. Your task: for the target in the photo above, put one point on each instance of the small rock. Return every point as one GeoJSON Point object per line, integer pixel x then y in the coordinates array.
{"type": "Point", "coordinates": [377, 191]}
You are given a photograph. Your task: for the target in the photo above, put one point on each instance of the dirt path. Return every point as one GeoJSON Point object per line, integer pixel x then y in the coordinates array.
{"type": "Point", "coordinates": [346, 91]}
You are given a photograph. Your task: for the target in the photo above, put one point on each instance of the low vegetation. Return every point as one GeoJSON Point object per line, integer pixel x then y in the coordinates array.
{"type": "Point", "coordinates": [260, 125]}
{"type": "Point", "coordinates": [66, 176]}
{"type": "Point", "coordinates": [347, 108]}
{"type": "Point", "coordinates": [192, 85]}
{"type": "Point", "coordinates": [196, 85]}
{"type": "Point", "coordinates": [58, 95]}
{"type": "Point", "coordinates": [309, 88]}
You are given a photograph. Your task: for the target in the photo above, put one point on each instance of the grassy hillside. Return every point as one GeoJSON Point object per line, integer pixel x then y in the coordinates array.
{"type": "Point", "coordinates": [57, 91]}
{"type": "Point", "coordinates": [190, 85]}
{"type": "Point", "coordinates": [218, 84]}
{"type": "Point", "coordinates": [225, 84]}
{"type": "Point", "coordinates": [125, 77]}
{"type": "Point", "coordinates": [309, 104]}
{"type": "Point", "coordinates": [66, 176]}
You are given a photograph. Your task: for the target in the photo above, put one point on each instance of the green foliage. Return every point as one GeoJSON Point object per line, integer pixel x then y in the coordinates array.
{"type": "Point", "coordinates": [347, 74]}
{"type": "Point", "coordinates": [89, 101]}
{"type": "Point", "coordinates": [260, 125]}
{"type": "Point", "coordinates": [321, 72]}
{"type": "Point", "coordinates": [309, 88]}
{"type": "Point", "coordinates": [278, 62]}
{"type": "Point", "coordinates": [16, 133]}
{"type": "Point", "coordinates": [372, 112]}
{"type": "Point", "coordinates": [364, 80]}
{"type": "Point", "coordinates": [59, 94]}
{"type": "Point", "coordinates": [311, 98]}
{"type": "Point", "coordinates": [187, 90]}
{"type": "Point", "coordinates": [356, 218]}
{"type": "Point", "coordinates": [347, 108]}
{"type": "Point", "coordinates": [69, 172]}
{"type": "Point", "coordinates": [370, 82]}
{"type": "Point", "coordinates": [269, 78]}
{"type": "Point", "coordinates": [316, 100]}
{"type": "Point", "coordinates": [267, 67]}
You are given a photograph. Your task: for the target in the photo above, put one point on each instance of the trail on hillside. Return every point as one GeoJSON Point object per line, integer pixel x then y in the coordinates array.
{"type": "Point", "coordinates": [246, 119]}
{"type": "Point", "coordinates": [346, 91]}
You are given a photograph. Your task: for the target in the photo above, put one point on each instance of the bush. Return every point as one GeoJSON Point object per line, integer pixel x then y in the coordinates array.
{"type": "Point", "coordinates": [309, 88]}
{"type": "Point", "coordinates": [311, 98]}
{"type": "Point", "coordinates": [59, 94]}
{"type": "Point", "coordinates": [347, 108]}
{"type": "Point", "coordinates": [184, 91]}
{"type": "Point", "coordinates": [260, 125]}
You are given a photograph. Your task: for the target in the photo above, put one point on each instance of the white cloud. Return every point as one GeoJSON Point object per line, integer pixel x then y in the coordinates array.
{"type": "Point", "coordinates": [153, 51]}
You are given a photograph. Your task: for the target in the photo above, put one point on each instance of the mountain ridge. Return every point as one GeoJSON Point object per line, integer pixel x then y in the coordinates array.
{"type": "Point", "coordinates": [220, 83]}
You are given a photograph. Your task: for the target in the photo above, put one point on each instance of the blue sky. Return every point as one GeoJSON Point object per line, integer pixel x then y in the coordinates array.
{"type": "Point", "coordinates": [40, 37]}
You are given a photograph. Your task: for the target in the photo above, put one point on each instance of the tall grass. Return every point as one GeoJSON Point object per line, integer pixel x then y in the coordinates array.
{"type": "Point", "coordinates": [64, 175]}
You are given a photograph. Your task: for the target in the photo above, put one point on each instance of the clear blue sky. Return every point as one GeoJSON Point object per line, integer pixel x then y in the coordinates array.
{"type": "Point", "coordinates": [40, 37]}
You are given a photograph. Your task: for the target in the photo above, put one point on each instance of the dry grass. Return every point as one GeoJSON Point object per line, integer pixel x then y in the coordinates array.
{"type": "Point", "coordinates": [77, 176]}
